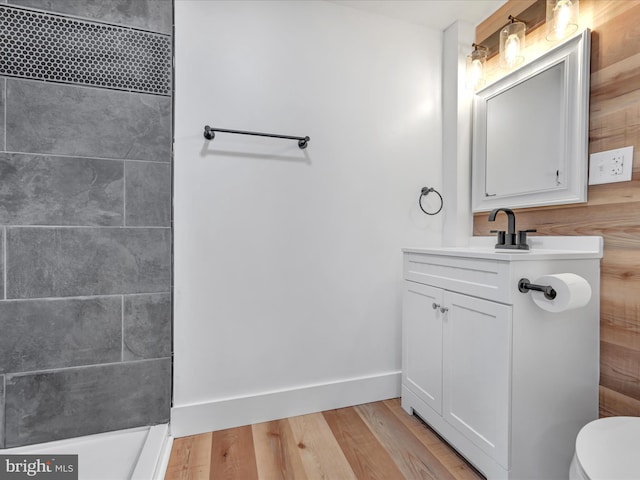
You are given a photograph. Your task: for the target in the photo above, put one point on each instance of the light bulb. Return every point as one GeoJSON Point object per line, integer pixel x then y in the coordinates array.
{"type": "Point", "coordinates": [476, 72]}
{"type": "Point", "coordinates": [562, 15]}
{"type": "Point", "coordinates": [511, 49]}
{"type": "Point", "coordinates": [512, 41]}
{"type": "Point", "coordinates": [562, 18]}
{"type": "Point", "coordinates": [475, 67]}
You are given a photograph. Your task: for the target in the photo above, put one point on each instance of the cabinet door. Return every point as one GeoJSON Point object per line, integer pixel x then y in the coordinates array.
{"type": "Point", "coordinates": [422, 343]}
{"type": "Point", "coordinates": [477, 366]}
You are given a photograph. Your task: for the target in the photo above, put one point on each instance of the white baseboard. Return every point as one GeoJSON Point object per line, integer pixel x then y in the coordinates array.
{"type": "Point", "coordinates": [264, 407]}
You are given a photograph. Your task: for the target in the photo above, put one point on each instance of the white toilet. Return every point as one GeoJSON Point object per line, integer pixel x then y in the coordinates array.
{"type": "Point", "coordinates": [608, 449]}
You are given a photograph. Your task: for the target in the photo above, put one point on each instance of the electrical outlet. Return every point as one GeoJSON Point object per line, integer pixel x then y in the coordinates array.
{"type": "Point", "coordinates": [611, 166]}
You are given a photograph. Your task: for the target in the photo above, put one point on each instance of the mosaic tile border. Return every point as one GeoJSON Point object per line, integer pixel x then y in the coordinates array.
{"type": "Point", "coordinates": [54, 48]}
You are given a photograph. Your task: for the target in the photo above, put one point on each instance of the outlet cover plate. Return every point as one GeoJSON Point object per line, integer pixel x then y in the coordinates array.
{"type": "Point", "coordinates": [611, 166]}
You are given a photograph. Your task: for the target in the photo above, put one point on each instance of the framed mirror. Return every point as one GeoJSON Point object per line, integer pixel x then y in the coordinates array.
{"type": "Point", "coordinates": [531, 132]}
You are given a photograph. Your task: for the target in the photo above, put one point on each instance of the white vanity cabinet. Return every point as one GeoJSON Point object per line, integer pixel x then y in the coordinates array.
{"type": "Point", "coordinates": [506, 383]}
{"type": "Point", "coordinates": [457, 355]}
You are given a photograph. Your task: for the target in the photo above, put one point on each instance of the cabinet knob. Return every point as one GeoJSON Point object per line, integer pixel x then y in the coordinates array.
{"type": "Point", "coordinates": [443, 309]}
{"type": "Point", "coordinates": [435, 306]}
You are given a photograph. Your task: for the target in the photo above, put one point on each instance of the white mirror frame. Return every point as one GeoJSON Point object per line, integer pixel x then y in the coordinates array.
{"type": "Point", "coordinates": [575, 54]}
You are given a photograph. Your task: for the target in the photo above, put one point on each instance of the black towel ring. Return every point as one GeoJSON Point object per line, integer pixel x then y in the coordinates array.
{"type": "Point", "coordinates": [423, 193]}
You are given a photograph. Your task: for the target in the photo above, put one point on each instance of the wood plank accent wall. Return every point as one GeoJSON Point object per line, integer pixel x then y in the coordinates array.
{"type": "Point", "coordinates": [612, 210]}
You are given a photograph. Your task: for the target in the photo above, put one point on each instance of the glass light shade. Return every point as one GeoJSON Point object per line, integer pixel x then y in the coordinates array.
{"type": "Point", "coordinates": [475, 68]}
{"type": "Point", "coordinates": [512, 45]}
{"type": "Point", "coordinates": [562, 18]}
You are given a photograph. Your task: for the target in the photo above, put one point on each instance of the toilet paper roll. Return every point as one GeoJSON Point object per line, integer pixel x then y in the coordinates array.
{"type": "Point", "coordinates": [572, 291]}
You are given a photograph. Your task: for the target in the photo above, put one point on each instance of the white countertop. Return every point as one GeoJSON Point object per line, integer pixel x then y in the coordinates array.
{"type": "Point", "coordinates": [540, 248]}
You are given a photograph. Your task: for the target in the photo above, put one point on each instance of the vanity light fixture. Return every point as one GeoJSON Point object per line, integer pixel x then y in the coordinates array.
{"type": "Point", "coordinates": [562, 18]}
{"type": "Point", "coordinates": [475, 67]}
{"type": "Point", "coordinates": [512, 43]}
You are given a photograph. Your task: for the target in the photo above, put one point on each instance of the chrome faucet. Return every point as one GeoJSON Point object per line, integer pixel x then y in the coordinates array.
{"type": "Point", "coordinates": [510, 239]}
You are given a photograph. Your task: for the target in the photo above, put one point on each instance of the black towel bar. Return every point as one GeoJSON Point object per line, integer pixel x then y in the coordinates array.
{"type": "Point", "coordinates": [210, 135]}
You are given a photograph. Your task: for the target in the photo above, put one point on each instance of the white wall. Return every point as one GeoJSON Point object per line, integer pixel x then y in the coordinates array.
{"type": "Point", "coordinates": [456, 150]}
{"type": "Point", "coordinates": [287, 262]}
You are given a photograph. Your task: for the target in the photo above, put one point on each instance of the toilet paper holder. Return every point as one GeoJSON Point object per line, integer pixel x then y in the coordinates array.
{"type": "Point", "coordinates": [524, 286]}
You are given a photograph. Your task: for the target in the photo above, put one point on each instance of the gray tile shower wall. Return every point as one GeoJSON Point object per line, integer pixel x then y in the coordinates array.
{"type": "Point", "coordinates": [56, 333]}
{"type": "Point", "coordinates": [64, 262]}
{"type": "Point", "coordinates": [2, 240]}
{"type": "Point", "coordinates": [85, 233]}
{"type": "Point", "coordinates": [58, 404]}
{"type": "Point", "coordinates": [147, 326]}
{"type": "Point", "coordinates": [147, 206]}
{"type": "Point", "coordinates": [84, 121]}
{"type": "Point", "coordinates": [47, 190]}
{"type": "Point", "coordinates": [3, 88]}
{"type": "Point", "coordinates": [2, 411]}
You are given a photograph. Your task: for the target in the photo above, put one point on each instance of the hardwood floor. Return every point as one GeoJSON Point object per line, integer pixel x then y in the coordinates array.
{"type": "Point", "coordinates": [377, 441]}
